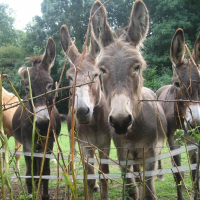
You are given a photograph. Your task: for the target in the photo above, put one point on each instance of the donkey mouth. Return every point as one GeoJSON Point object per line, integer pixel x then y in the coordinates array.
{"type": "Point", "coordinates": [83, 121]}
{"type": "Point", "coordinates": [121, 130]}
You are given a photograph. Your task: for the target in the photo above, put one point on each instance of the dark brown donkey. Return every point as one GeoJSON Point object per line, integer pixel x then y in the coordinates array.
{"type": "Point", "coordinates": [90, 107]}
{"type": "Point", "coordinates": [136, 124]}
{"type": "Point", "coordinates": [41, 82]}
{"type": "Point", "coordinates": [185, 86]}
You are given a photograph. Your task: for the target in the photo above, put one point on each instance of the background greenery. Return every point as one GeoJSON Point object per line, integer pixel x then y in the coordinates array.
{"type": "Point", "coordinates": [165, 17]}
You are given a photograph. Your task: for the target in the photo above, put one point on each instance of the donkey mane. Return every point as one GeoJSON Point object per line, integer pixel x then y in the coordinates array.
{"type": "Point", "coordinates": [34, 60]}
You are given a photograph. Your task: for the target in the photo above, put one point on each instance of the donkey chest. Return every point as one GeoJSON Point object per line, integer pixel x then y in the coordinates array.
{"type": "Point", "coordinates": [93, 133]}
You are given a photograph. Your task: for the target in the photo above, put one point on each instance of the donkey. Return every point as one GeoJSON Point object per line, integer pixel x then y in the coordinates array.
{"type": "Point", "coordinates": [136, 124]}
{"type": "Point", "coordinates": [90, 107]}
{"type": "Point", "coordinates": [185, 86]}
{"type": "Point", "coordinates": [8, 100]}
{"type": "Point", "coordinates": [41, 82]}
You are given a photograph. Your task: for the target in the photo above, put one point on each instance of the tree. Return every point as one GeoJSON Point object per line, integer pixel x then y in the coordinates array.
{"type": "Point", "coordinates": [7, 32]}
{"type": "Point", "coordinates": [165, 17]}
{"type": "Point", "coordinates": [9, 55]}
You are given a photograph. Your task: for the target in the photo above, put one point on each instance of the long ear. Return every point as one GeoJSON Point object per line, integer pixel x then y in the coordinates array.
{"type": "Point", "coordinates": [49, 54]}
{"type": "Point", "coordinates": [93, 48]}
{"type": "Point", "coordinates": [139, 23]}
{"type": "Point", "coordinates": [196, 50]}
{"type": "Point", "coordinates": [100, 27]}
{"type": "Point", "coordinates": [67, 43]}
{"type": "Point", "coordinates": [21, 71]}
{"type": "Point", "coordinates": [177, 50]}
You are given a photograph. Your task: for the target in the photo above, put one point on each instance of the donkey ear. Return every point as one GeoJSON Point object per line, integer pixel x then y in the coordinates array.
{"type": "Point", "coordinates": [93, 48]}
{"type": "Point", "coordinates": [196, 51]}
{"type": "Point", "coordinates": [49, 54]}
{"type": "Point", "coordinates": [177, 50]}
{"type": "Point", "coordinates": [21, 71]}
{"type": "Point", "coordinates": [100, 27]}
{"type": "Point", "coordinates": [139, 23]}
{"type": "Point", "coordinates": [66, 43]}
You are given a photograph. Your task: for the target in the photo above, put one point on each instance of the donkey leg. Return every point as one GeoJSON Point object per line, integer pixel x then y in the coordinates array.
{"type": "Point", "coordinates": [17, 157]}
{"type": "Point", "coordinates": [131, 187]}
{"type": "Point", "coordinates": [46, 171]}
{"type": "Point", "coordinates": [160, 177]}
{"type": "Point", "coordinates": [137, 168]}
{"type": "Point", "coordinates": [75, 151]}
{"type": "Point", "coordinates": [104, 182]}
{"type": "Point", "coordinates": [193, 160]}
{"type": "Point", "coordinates": [28, 173]}
{"type": "Point", "coordinates": [45, 182]}
{"type": "Point", "coordinates": [91, 183]}
{"type": "Point", "coordinates": [177, 176]}
{"type": "Point", "coordinates": [150, 186]}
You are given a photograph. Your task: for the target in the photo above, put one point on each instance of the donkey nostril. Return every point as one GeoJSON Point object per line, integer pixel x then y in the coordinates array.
{"type": "Point", "coordinates": [129, 120]}
{"type": "Point", "coordinates": [88, 110]}
{"type": "Point", "coordinates": [111, 120]}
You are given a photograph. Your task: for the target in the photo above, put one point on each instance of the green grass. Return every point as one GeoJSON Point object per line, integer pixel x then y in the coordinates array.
{"type": "Point", "coordinates": [164, 190]}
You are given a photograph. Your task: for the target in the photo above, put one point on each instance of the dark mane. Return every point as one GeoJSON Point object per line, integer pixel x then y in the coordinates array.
{"type": "Point", "coordinates": [119, 32]}
{"type": "Point", "coordinates": [34, 60]}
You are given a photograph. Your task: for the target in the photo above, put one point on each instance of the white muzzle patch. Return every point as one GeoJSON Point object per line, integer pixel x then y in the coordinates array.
{"type": "Point", "coordinates": [41, 114]}
{"type": "Point", "coordinates": [192, 116]}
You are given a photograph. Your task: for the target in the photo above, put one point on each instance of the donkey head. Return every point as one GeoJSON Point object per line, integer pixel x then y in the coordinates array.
{"type": "Point", "coordinates": [186, 78]}
{"type": "Point", "coordinates": [87, 96]}
{"type": "Point", "coordinates": [121, 63]}
{"type": "Point", "coordinates": [41, 81]}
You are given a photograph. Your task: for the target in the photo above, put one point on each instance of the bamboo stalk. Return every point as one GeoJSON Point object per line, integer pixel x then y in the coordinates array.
{"type": "Point", "coordinates": [33, 137]}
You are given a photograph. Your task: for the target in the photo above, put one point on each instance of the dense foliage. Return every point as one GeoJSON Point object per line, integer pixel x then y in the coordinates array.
{"type": "Point", "coordinates": [165, 17]}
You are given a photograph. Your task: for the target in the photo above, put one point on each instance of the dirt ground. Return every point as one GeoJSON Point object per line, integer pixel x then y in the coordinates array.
{"type": "Point", "coordinates": [18, 190]}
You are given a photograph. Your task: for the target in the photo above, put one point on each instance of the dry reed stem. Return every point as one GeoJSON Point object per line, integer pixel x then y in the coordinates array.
{"type": "Point", "coordinates": [1, 129]}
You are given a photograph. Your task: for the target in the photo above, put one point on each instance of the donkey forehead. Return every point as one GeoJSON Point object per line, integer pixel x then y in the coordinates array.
{"type": "Point", "coordinates": [87, 60]}
{"type": "Point", "coordinates": [120, 55]}
{"type": "Point", "coordinates": [38, 75]}
{"type": "Point", "coordinates": [87, 66]}
{"type": "Point", "coordinates": [186, 71]}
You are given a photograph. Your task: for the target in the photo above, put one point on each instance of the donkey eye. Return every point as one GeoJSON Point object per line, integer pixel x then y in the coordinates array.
{"type": "Point", "coordinates": [49, 87]}
{"type": "Point", "coordinates": [70, 78]}
{"type": "Point", "coordinates": [177, 84]}
{"type": "Point", "coordinates": [103, 71]}
{"type": "Point", "coordinates": [96, 75]}
{"type": "Point", "coordinates": [136, 69]}
{"type": "Point", "coordinates": [27, 89]}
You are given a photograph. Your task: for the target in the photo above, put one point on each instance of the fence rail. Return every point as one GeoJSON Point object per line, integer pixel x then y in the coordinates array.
{"type": "Point", "coordinates": [116, 162]}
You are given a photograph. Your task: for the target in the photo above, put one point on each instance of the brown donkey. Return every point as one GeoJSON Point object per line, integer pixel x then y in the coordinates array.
{"type": "Point", "coordinates": [90, 106]}
{"type": "Point", "coordinates": [137, 124]}
{"type": "Point", "coordinates": [8, 100]}
{"type": "Point", "coordinates": [41, 82]}
{"type": "Point", "coordinates": [185, 86]}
